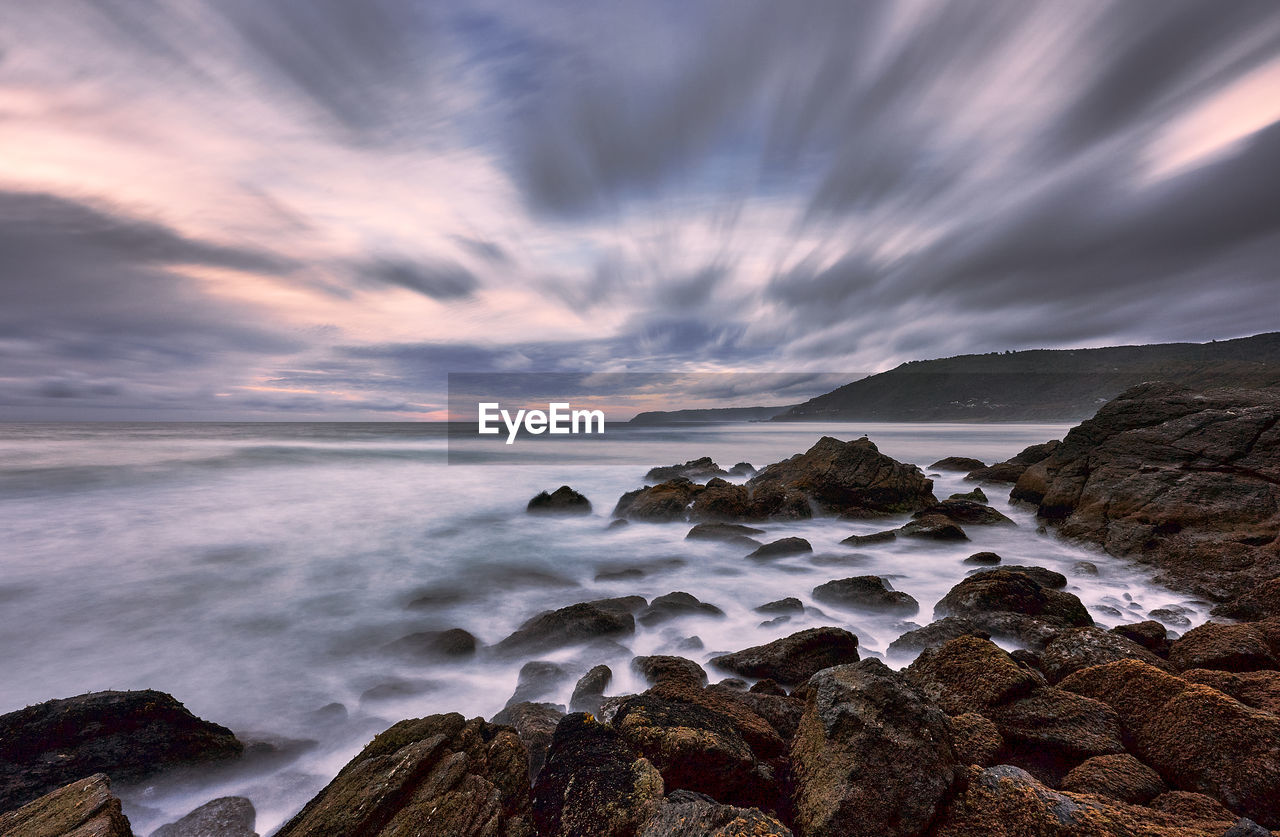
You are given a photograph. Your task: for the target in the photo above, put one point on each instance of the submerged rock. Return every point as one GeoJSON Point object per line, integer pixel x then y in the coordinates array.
{"type": "Point", "coordinates": [564, 500]}
{"type": "Point", "coordinates": [534, 723]}
{"type": "Point", "coordinates": [865, 592]}
{"type": "Point", "coordinates": [873, 538]}
{"type": "Point", "coordinates": [436, 775]}
{"type": "Point", "coordinates": [975, 496]}
{"type": "Point", "coordinates": [229, 816]}
{"type": "Point", "coordinates": [588, 693]}
{"type": "Point", "coordinates": [129, 735]}
{"type": "Point", "coordinates": [85, 808]}
{"type": "Point", "coordinates": [983, 559]}
{"type": "Point", "coordinates": [1046, 578]}
{"type": "Point", "coordinates": [783, 606]}
{"type": "Point", "coordinates": [454, 643]}
{"type": "Point", "coordinates": [933, 527]}
{"type": "Point", "coordinates": [781, 548]}
{"type": "Point", "coordinates": [569, 626]}
{"type": "Point", "coordinates": [1014, 604]}
{"type": "Point", "coordinates": [968, 512]}
{"type": "Point", "coordinates": [695, 469]}
{"type": "Point", "coordinates": [793, 659]}
{"type": "Point", "coordinates": [957, 463]}
{"type": "Point", "coordinates": [731, 532]}
{"type": "Point", "coordinates": [537, 679]}
{"type": "Point", "coordinates": [661, 668]}
{"type": "Point", "coordinates": [674, 605]}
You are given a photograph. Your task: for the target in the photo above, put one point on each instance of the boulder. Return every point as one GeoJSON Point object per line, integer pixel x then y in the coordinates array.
{"type": "Point", "coordinates": [721, 500]}
{"type": "Point", "coordinates": [564, 500]}
{"type": "Point", "coordinates": [588, 693]}
{"type": "Point", "coordinates": [454, 643]}
{"type": "Point", "coordinates": [674, 605]}
{"type": "Point", "coordinates": [1188, 481]}
{"type": "Point", "coordinates": [865, 592]}
{"type": "Point", "coordinates": [871, 756]}
{"type": "Point", "coordinates": [977, 495]}
{"type": "Point", "coordinates": [228, 816]}
{"type": "Point", "coordinates": [969, 674]}
{"type": "Point", "coordinates": [1013, 604]}
{"type": "Point", "coordinates": [873, 538]}
{"type": "Point", "coordinates": [85, 808]}
{"type": "Point", "coordinates": [1118, 776]}
{"type": "Point", "coordinates": [850, 478]}
{"type": "Point", "coordinates": [538, 679]}
{"type": "Point", "coordinates": [660, 503]}
{"type": "Point", "coordinates": [1050, 731]}
{"type": "Point", "coordinates": [436, 775]}
{"type": "Point", "coordinates": [935, 634]}
{"type": "Point", "coordinates": [1046, 578]}
{"type": "Point", "coordinates": [129, 735]}
{"type": "Point", "coordinates": [1150, 634]}
{"type": "Point", "coordinates": [730, 532]}
{"type": "Point", "coordinates": [781, 548]}
{"type": "Point", "coordinates": [957, 463]}
{"type": "Point", "coordinates": [1080, 648]}
{"type": "Point", "coordinates": [1259, 689]}
{"type": "Point", "coordinates": [593, 783]}
{"type": "Point", "coordinates": [1251, 646]}
{"type": "Point", "coordinates": [933, 527]}
{"type": "Point", "coordinates": [983, 559]}
{"type": "Point", "coordinates": [687, 814]}
{"type": "Point", "coordinates": [793, 659]}
{"type": "Point", "coordinates": [967, 512]}
{"type": "Point", "coordinates": [788, 605]}
{"type": "Point", "coordinates": [570, 625]}
{"type": "Point", "coordinates": [742, 469]}
{"type": "Point", "coordinates": [1011, 469]}
{"type": "Point", "coordinates": [1261, 601]}
{"type": "Point", "coordinates": [976, 739]}
{"type": "Point", "coordinates": [660, 667]}
{"type": "Point", "coordinates": [534, 723]}
{"type": "Point", "coordinates": [695, 469]}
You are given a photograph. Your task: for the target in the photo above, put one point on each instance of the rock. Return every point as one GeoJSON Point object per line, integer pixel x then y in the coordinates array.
{"type": "Point", "coordinates": [933, 527]}
{"type": "Point", "coordinates": [1084, 568]}
{"type": "Point", "coordinates": [1251, 646]}
{"type": "Point", "coordinates": [1174, 616]}
{"type": "Point", "coordinates": [674, 605]}
{"type": "Point", "coordinates": [1011, 469]}
{"type": "Point", "coordinates": [1150, 634]}
{"type": "Point", "coordinates": [983, 559]}
{"type": "Point", "coordinates": [975, 738]}
{"type": "Point", "coordinates": [780, 711]}
{"type": "Point", "coordinates": [436, 775]}
{"type": "Point", "coordinates": [564, 500]}
{"type": "Point", "coordinates": [1004, 801]}
{"type": "Point", "coordinates": [968, 512]}
{"type": "Point", "coordinates": [788, 605]}
{"type": "Point", "coordinates": [695, 469]}
{"type": "Point", "coordinates": [1119, 776]}
{"type": "Point", "coordinates": [1080, 648]}
{"type": "Point", "coordinates": [957, 463]}
{"type": "Point", "coordinates": [969, 674]}
{"type": "Point", "coordinates": [659, 668]}
{"type": "Point", "coordinates": [933, 635]}
{"type": "Point", "coordinates": [781, 548]}
{"type": "Point", "coordinates": [731, 532]}
{"type": "Point", "coordinates": [228, 816]}
{"type": "Point", "coordinates": [569, 626]}
{"type": "Point", "coordinates": [1261, 601]}
{"type": "Point", "coordinates": [1051, 731]}
{"type": "Point", "coordinates": [850, 478]}
{"type": "Point", "coordinates": [535, 723]}
{"type": "Point", "coordinates": [721, 500]}
{"type": "Point", "coordinates": [84, 808]}
{"type": "Point", "coordinates": [1196, 737]}
{"type": "Point", "coordinates": [1259, 689]}
{"type": "Point", "coordinates": [1246, 827]}
{"type": "Point", "coordinates": [538, 679]}
{"type": "Point", "coordinates": [873, 538]}
{"type": "Point", "coordinates": [865, 592]}
{"type": "Point", "coordinates": [687, 814]}
{"type": "Point", "coordinates": [1046, 578]}
{"type": "Point", "coordinates": [660, 503]}
{"type": "Point", "coordinates": [1187, 481]}
{"type": "Point", "coordinates": [977, 495]}
{"type": "Point", "coordinates": [131, 735]}
{"type": "Point", "coordinates": [593, 783]}
{"type": "Point", "coordinates": [871, 756]}
{"type": "Point", "coordinates": [793, 659]}
{"type": "Point", "coordinates": [742, 469]}
{"type": "Point", "coordinates": [588, 693]}
{"type": "Point", "coordinates": [1014, 604]}
{"type": "Point", "coordinates": [454, 643]}
{"type": "Point", "coordinates": [1191, 806]}
{"type": "Point", "coordinates": [618, 523]}
{"type": "Point", "coordinates": [768, 686]}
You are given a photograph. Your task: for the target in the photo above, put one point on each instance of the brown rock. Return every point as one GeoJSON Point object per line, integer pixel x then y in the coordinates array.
{"type": "Point", "coordinates": [1119, 776]}
{"type": "Point", "coordinates": [866, 592]}
{"type": "Point", "coordinates": [1245, 647]}
{"type": "Point", "coordinates": [660, 667]}
{"type": "Point", "coordinates": [687, 814]}
{"type": "Point", "coordinates": [1011, 469]}
{"type": "Point", "coordinates": [969, 675]}
{"type": "Point", "coordinates": [933, 635]}
{"type": "Point", "coordinates": [436, 775]}
{"type": "Point", "coordinates": [932, 527]}
{"type": "Point", "coordinates": [976, 739]}
{"type": "Point", "coordinates": [1261, 601]}
{"type": "Point", "coordinates": [660, 503]}
{"type": "Point", "coordinates": [967, 512]}
{"type": "Point", "coordinates": [1150, 634]}
{"type": "Point", "coordinates": [570, 625]}
{"type": "Point", "coordinates": [1080, 648]}
{"type": "Point", "coordinates": [793, 659]}
{"type": "Point", "coordinates": [228, 816]}
{"type": "Point", "coordinates": [1259, 689]}
{"type": "Point", "coordinates": [535, 723]}
{"type": "Point", "coordinates": [84, 808]}
{"type": "Point", "coordinates": [1013, 604]}
{"type": "Point", "coordinates": [1051, 731]}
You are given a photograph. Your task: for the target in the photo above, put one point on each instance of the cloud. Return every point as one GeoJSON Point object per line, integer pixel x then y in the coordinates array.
{"type": "Point", "coordinates": [441, 281]}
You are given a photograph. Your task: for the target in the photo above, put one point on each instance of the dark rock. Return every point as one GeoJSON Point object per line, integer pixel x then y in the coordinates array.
{"type": "Point", "coordinates": [788, 605]}
{"type": "Point", "coordinates": [1196, 737]}
{"type": "Point", "coordinates": [454, 643]}
{"type": "Point", "coordinates": [873, 538]}
{"type": "Point", "coordinates": [1084, 568]}
{"type": "Point", "coordinates": [865, 592]}
{"type": "Point", "coordinates": [1191, 806]}
{"type": "Point", "coordinates": [674, 605]}
{"type": "Point", "coordinates": [1119, 776]}
{"type": "Point", "coordinates": [589, 691]}
{"type": "Point", "coordinates": [850, 478]}
{"type": "Point", "coordinates": [569, 626]}
{"type": "Point", "coordinates": [618, 523]}
{"type": "Point", "coordinates": [659, 668]}
{"type": "Point", "coordinates": [625, 574]}
{"type": "Point", "coordinates": [695, 469]}
{"type": "Point", "coordinates": [1013, 604]}
{"type": "Point", "coordinates": [781, 548]}
{"type": "Point", "coordinates": [1252, 646]}
{"type": "Point", "coordinates": [660, 503]}
{"type": "Point", "coordinates": [538, 679]}
{"type": "Point", "coordinates": [731, 532]}
{"type": "Point", "coordinates": [933, 527]}
{"type": "Point", "coordinates": [131, 735]}
{"type": "Point", "coordinates": [871, 756]}
{"type": "Point", "coordinates": [396, 688]}
{"type": "Point", "coordinates": [768, 686]}
{"type": "Point", "coordinates": [1051, 731]}
{"type": "Point", "coordinates": [1261, 601]}
{"type": "Point", "coordinates": [957, 463]}
{"type": "Point", "coordinates": [977, 495]}
{"type": "Point", "coordinates": [564, 500]}
{"type": "Point", "coordinates": [436, 775]}
{"type": "Point", "coordinates": [534, 723]}
{"type": "Point", "coordinates": [742, 469]}
{"type": "Point", "coordinates": [1046, 578]}
{"type": "Point", "coordinates": [1259, 689]}
{"type": "Point", "coordinates": [975, 738]}
{"type": "Point", "coordinates": [84, 808]}
{"type": "Point", "coordinates": [969, 675]}
{"type": "Point", "coordinates": [1174, 616]}
{"type": "Point", "coordinates": [934, 635]}
{"type": "Point", "coordinates": [687, 814]}
{"type": "Point", "coordinates": [968, 512]}
{"type": "Point", "coordinates": [1080, 648]}
{"type": "Point", "coordinates": [228, 816]}
{"type": "Point", "coordinates": [593, 783]}
{"type": "Point", "coordinates": [1150, 634]}
{"type": "Point", "coordinates": [721, 500]}
{"type": "Point", "coordinates": [793, 659]}
{"type": "Point", "coordinates": [983, 559]}
{"type": "Point", "coordinates": [1011, 469]}
{"type": "Point", "coordinates": [1245, 827]}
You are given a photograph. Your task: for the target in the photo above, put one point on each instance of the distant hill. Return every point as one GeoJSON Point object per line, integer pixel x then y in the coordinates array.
{"type": "Point", "coordinates": [1041, 384]}
{"type": "Point", "coordinates": [712, 414]}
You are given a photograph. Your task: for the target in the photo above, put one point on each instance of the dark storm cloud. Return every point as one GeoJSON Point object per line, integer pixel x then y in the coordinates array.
{"type": "Point", "coordinates": [440, 280]}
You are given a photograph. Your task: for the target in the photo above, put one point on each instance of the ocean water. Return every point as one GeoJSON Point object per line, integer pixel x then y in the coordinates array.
{"type": "Point", "coordinates": [257, 572]}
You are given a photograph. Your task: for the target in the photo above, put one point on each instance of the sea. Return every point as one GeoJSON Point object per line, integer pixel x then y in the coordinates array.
{"type": "Point", "coordinates": [262, 572]}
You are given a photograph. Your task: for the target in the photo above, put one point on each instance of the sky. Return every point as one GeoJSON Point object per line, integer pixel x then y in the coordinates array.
{"type": "Point", "coordinates": [317, 209]}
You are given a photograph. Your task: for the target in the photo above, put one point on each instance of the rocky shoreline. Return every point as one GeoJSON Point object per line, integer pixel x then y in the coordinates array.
{"type": "Point", "coordinates": [1081, 731]}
